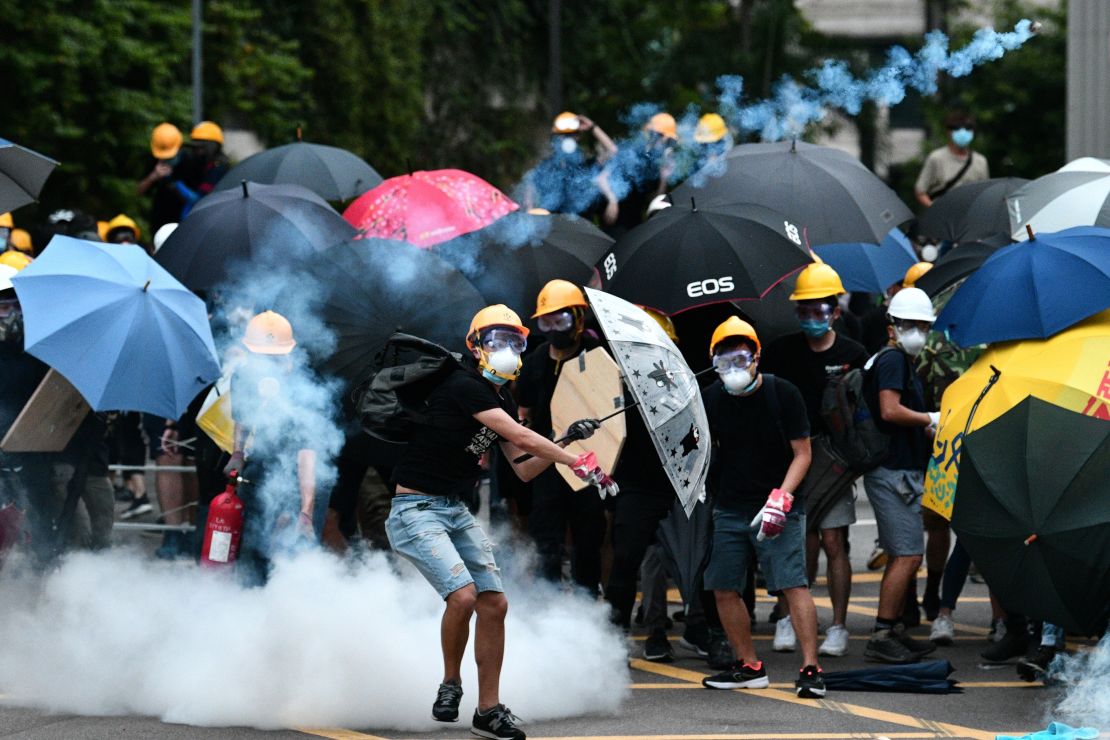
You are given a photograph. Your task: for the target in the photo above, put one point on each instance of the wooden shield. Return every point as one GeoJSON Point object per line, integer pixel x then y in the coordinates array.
{"type": "Point", "coordinates": [590, 387]}
{"type": "Point", "coordinates": [50, 418]}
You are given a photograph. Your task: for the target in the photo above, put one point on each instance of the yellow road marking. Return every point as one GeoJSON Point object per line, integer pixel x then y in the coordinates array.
{"type": "Point", "coordinates": [788, 685]}
{"type": "Point", "coordinates": [761, 736]}
{"type": "Point", "coordinates": [336, 733]}
{"type": "Point", "coordinates": [856, 710]}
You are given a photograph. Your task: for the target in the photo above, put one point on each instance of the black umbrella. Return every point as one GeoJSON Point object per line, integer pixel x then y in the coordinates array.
{"type": "Point", "coordinates": [22, 175]}
{"type": "Point", "coordinates": [687, 256]}
{"type": "Point", "coordinates": [511, 260]}
{"type": "Point", "coordinates": [931, 677]}
{"type": "Point", "coordinates": [971, 212]}
{"type": "Point", "coordinates": [828, 191]}
{"type": "Point", "coordinates": [366, 289]}
{"type": "Point", "coordinates": [1033, 510]}
{"type": "Point", "coordinates": [685, 547]}
{"type": "Point", "coordinates": [258, 224]}
{"type": "Point", "coordinates": [958, 263]}
{"type": "Point", "coordinates": [330, 172]}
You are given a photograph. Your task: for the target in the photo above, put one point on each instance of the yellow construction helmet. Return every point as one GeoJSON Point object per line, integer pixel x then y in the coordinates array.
{"type": "Point", "coordinates": [566, 123]}
{"type": "Point", "coordinates": [269, 333]}
{"type": "Point", "coordinates": [711, 128]}
{"type": "Point", "coordinates": [817, 281]}
{"type": "Point", "coordinates": [207, 131]}
{"type": "Point", "coordinates": [664, 322]}
{"type": "Point", "coordinates": [6, 221]}
{"type": "Point", "coordinates": [102, 230]}
{"type": "Point", "coordinates": [733, 326]}
{"type": "Point", "coordinates": [15, 260]}
{"type": "Point", "coordinates": [496, 315]}
{"type": "Point", "coordinates": [915, 272]}
{"type": "Point", "coordinates": [120, 222]}
{"type": "Point", "coordinates": [557, 295]}
{"type": "Point", "coordinates": [21, 240]}
{"type": "Point", "coordinates": [165, 140]}
{"type": "Point", "coordinates": [663, 124]}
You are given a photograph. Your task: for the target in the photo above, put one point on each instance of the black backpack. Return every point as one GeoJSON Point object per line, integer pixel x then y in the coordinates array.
{"type": "Point", "coordinates": [405, 373]}
{"type": "Point", "coordinates": [850, 415]}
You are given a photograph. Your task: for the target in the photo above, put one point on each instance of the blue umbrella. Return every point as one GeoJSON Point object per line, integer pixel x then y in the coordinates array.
{"type": "Point", "coordinates": [870, 268]}
{"type": "Point", "coordinates": [117, 326]}
{"type": "Point", "coordinates": [1032, 289]}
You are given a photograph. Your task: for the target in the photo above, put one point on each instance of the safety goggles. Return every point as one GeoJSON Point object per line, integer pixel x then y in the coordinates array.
{"type": "Point", "coordinates": [558, 321]}
{"type": "Point", "coordinates": [908, 324]}
{"type": "Point", "coordinates": [733, 359]}
{"type": "Point", "coordinates": [818, 311]}
{"type": "Point", "coordinates": [495, 340]}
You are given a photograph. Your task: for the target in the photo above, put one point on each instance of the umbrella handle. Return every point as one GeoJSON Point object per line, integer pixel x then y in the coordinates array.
{"type": "Point", "coordinates": [528, 456]}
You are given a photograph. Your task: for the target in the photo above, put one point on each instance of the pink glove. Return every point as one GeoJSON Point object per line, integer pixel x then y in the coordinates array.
{"type": "Point", "coordinates": [771, 519]}
{"type": "Point", "coordinates": [586, 468]}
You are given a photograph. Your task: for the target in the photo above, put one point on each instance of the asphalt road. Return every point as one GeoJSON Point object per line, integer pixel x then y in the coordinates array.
{"type": "Point", "coordinates": [667, 702]}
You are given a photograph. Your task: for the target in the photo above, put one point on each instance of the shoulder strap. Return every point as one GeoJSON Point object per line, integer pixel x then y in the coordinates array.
{"type": "Point", "coordinates": [955, 179]}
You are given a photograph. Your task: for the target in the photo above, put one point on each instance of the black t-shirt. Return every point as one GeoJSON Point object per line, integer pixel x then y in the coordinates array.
{"type": "Point", "coordinates": [166, 202]}
{"type": "Point", "coordinates": [639, 467]}
{"type": "Point", "coordinates": [751, 454]}
{"type": "Point", "coordinates": [909, 447]}
{"type": "Point", "coordinates": [442, 455]}
{"type": "Point", "coordinates": [22, 375]}
{"type": "Point", "coordinates": [538, 377]}
{"type": "Point", "coordinates": [791, 358]}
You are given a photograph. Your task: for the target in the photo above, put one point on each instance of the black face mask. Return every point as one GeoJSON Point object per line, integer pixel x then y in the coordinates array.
{"type": "Point", "coordinates": [563, 339]}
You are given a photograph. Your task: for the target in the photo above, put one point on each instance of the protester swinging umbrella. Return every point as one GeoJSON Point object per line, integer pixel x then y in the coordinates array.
{"type": "Point", "coordinates": [1077, 194]}
{"type": "Point", "coordinates": [117, 326]}
{"type": "Point", "coordinates": [332, 173]}
{"type": "Point", "coordinates": [1033, 512]}
{"type": "Point", "coordinates": [1033, 289]}
{"type": "Point", "coordinates": [664, 390]}
{"type": "Point", "coordinates": [1067, 370]}
{"type": "Point", "coordinates": [511, 260]}
{"type": "Point", "coordinates": [958, 263]}
{"type": "Point", "coordinates": [427, 208]}
{"type": "Point", "coordinates": [253, 226]}
{"type": "Point", "coordinates": [970, 212]}
{"type": "Point", "coordinates": [22, 175]}
{"type": "Point", "coordinates": [828, 191]}
{"type": "Point", "coordinates": [870, 268]}
{"type": "Point", "coordinates": [687, 256]}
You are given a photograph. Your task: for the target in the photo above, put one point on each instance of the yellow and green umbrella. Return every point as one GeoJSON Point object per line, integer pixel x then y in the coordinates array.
{"type": "Point", "coordinates": [1070, 370]}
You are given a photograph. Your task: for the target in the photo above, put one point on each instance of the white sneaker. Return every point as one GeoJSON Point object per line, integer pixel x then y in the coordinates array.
{"type": "Point", "coordinates": [836, 641]}
{"type": "Point", "coordinates": [943, 632]}
{"type": "Point", "coordinates": [785, 640]}
{"type": "Point", "coordinates": [998, 631]}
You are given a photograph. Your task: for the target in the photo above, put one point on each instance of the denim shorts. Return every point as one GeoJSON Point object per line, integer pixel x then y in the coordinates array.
{"type": "Point", "coordinates": [895, 497]}
{"type": "Point", "coordinates": [782, 560]}
{"type": "Point", "coordinates": [444, 541]}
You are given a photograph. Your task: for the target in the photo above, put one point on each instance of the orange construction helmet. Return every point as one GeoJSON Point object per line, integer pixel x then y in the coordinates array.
{"type": "Point", "coordinates": [566, 123]}
{"type": "Point", "coordinates": [664, 125]}
{"type": "Point", "coordinates": [269, 333]}
{"type": "Point", "coordinates": [6, 221]}
{"type": "Point", "coordinates": [915, 272]}
{"type": "Point", "coordinates": [207, 131]}
{"type": "Point", "coordinates": [165, 141]}
{"type": "Point", "coordinates": [557, 295]}
{"type": "Point", "coordinates": [21, 240]}
{"type": "Point", "coordinates": [664, 322]}
{"type": "Point", "coordinates": [496, 315]}
{"type": "Point", "coordinates": [733, 326]}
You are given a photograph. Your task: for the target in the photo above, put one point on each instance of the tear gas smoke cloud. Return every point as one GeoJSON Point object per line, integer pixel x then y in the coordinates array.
{"type": "Point", "coordinates": [324, 643]}
{"type": "Point", "coordinates": [1085, 675]}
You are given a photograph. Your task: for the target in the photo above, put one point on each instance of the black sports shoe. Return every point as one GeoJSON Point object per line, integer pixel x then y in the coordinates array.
{"type": "Point", "coordinates": [1013, 644]}
{"type": "Point", "coordinates": [657, 648]}
{"type": "Point", "coordinates": [446, 708]}
{"type": "Point", "coordinates": [138, 507]}
{"type": "Point", "coordinates": [497, 724]}
{"type": "Point", "coordinates": [696, 639]}
{"type": "Point", "coordinates": [1034, 666]}
{"type": "Point", "coordinates": [810, 683]}
{"type": "Point", "coordinates": [720, 651]}
{"type": "Point", "coordinates": [920, 648]}
{"type": "Point", "coordinates": [739, 676]}
{"type": "Point", "coordinates": [885, 647]}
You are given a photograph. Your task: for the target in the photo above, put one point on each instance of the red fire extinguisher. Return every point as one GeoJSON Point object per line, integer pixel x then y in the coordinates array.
{"type": "Point", "coordinates": [224, 527]}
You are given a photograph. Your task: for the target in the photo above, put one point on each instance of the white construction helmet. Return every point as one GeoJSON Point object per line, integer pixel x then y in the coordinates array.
{"type": "Point", "coordinates": [162, 235]}
{"type": "Point", "coordinates": [912, 304]}
{"type": "Point", "coordinates": [658, 203]}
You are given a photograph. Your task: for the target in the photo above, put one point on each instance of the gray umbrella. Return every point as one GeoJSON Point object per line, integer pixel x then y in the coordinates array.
{"type": "Point", "coordinates": [828, 193]}
{"type": "Point", "coordinates": [22, 175]}
{"type": "Point", "coordinates": [330, 172]}
{"type": "Point", "coordinates": [971, 212]}
{"type": "Point", "coordinates": [685, 546]}
{"type": "Point", "coordinates": [1077, 194]}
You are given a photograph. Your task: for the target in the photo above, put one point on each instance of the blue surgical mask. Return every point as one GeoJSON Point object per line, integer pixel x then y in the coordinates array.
{"type": "Point", "coordinates": [961, 137]}
{"type": "Point", "coordinates": [815, 328]}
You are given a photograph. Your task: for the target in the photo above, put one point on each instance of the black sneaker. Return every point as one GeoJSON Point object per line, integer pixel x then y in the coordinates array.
{"type": "Point", "coordinates": [497, 724]}
{"type": "Point", "coordinates": [1013, 644]}
{"type": "Point", "coordinates": [739, 676]}
{"type": "Point", "coordinates": [920, 648]}
{"type": "Point", "coordinates": [720, 651]}
{"type": "Point", "coordinates": [695, 638]}
{"type": "Point", "coordinates": [810, 683]}
{"type": "Point", "coordinates": [1034, 666]}
{"type": "Point", "coordinates": [446, 708]}
{"type": "Point", "coordinates": [885, 647]}
{"type": "Point", "coordinates": [658, 649]}
{"type": "Point", "coordinates": [122, 494]}
{"type": "Point", "coordinates": [138, 507]}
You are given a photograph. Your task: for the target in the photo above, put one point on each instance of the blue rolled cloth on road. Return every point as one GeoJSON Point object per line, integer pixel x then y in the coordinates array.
{"type": "Point", "coordinates": [1056, 731]}
{"type": "Point", "coordinates": [916, 678]}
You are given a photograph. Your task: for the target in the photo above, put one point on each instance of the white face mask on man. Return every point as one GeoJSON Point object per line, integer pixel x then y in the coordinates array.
{"type": "Point", "coordinates": [912, 341]}
{"type": "Point", "coordinates": [738, 382]}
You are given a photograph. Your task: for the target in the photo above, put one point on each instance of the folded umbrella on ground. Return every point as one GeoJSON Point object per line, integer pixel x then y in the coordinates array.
{"type": "Point", "coordinates": [332, 173]}
{"type": "Point", "coordinates": [22, 175]}
{"type": "Point", "coordinates": [931, 677]}
{"type": "Point", "coordinates": [870, 268]}
{"type": "Point", "coordinates": [970, 212]}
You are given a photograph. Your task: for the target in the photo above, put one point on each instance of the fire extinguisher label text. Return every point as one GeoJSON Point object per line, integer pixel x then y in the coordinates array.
{"type": "Point", "coordinates": [221, 547]}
